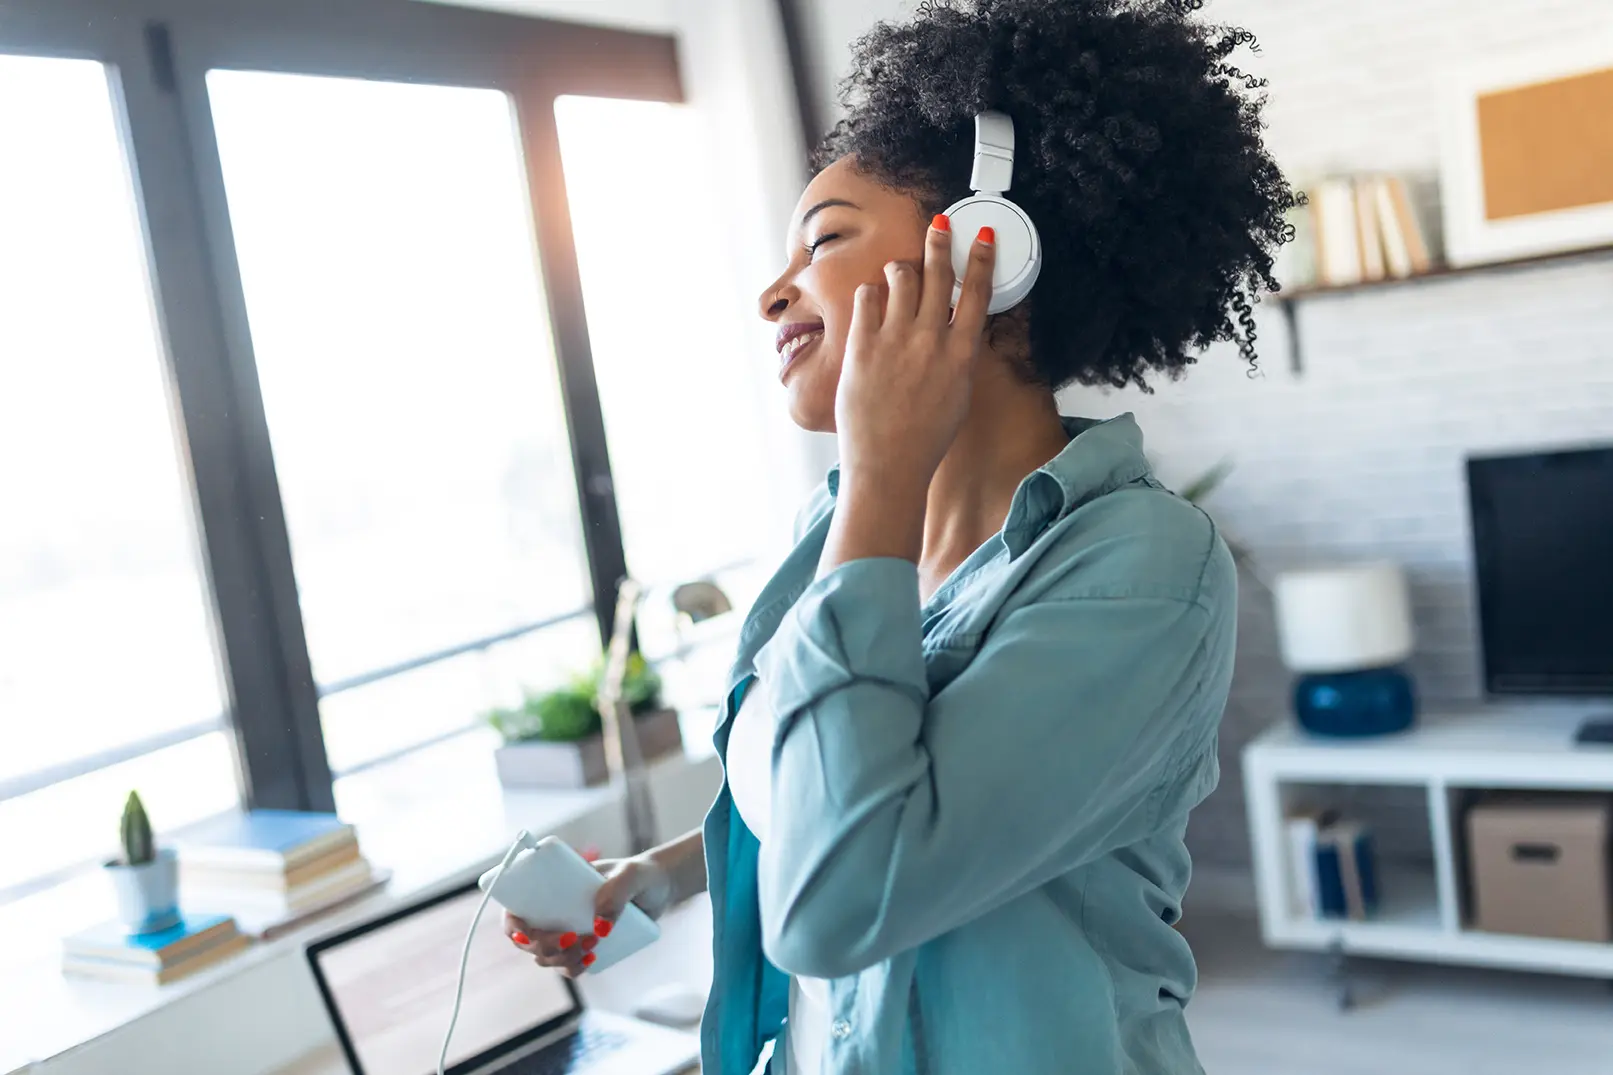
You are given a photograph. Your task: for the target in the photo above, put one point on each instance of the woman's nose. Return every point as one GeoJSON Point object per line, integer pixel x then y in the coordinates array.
{"type": "Point", "coordinates": [774, 301]}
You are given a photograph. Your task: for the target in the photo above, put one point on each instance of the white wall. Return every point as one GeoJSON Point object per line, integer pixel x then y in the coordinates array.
{"type": "Point", "coordinates": [1361, 455]}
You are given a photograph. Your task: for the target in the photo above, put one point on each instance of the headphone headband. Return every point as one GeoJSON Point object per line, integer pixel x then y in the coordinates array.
{"type": "Point", "coordinates": [994, 153]}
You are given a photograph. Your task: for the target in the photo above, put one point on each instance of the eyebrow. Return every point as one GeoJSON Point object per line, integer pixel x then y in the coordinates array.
{"type": "Point", "coordinates": [827, 203]}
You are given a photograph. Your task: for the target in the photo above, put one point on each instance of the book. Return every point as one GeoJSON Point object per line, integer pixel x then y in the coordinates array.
{"type": "Point", "coordinates": [1369, 236]}
{"type": "Point", "coordinates": [112, 970]}
{"type": "Point", "coordinates": [1302, 827]}
{"type": "Point", "coordinates": [265, 925]}
{"type": "Point", "coordinates": [1406, 221]}
{"type": "Point", "coordinates": [1296, 261]}
{"type": "Point", "coordinates": [270, 927]}
{"type": "Point", "coordinates": [1338, 245]}
{"type": "Point", "coordinates": [270, 840]}
{"type": "Point", "coordinates": [112, 942]}
{"type": "Point", "coordinates": [269, 901]}
{"type": "Point", "coordinates": [1396, 252]}
{"type": "Point", "coordinates": [198, 875]}
{"type": "Point", "coordinates": [1346, 873]}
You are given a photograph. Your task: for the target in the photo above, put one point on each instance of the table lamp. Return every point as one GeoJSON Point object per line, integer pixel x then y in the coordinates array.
{"type": "Point", "coordinates": [1347, 631]}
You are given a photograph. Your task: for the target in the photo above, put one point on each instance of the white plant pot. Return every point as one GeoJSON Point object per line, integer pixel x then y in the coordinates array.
{"type": "Point", "coordinates": [148, 894]}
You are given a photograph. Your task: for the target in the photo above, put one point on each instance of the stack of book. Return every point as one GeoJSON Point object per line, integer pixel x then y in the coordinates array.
{"type": "Point", "coordinates": [1355, 230]}
{"type": "Point", "coordinates": [110, 952]}
{"type": "Point", "coordinates": [1332, 867]}
{"type": "Point", "coordinates": [272, 869]}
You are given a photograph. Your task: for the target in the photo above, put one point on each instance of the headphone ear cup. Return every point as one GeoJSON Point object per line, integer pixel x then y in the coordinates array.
{"type": "Point", "coordinates": [1019, 247]}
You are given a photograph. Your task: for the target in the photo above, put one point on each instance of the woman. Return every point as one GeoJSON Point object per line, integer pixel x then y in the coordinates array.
{"type": "Point", "coordinates": [972, 710]}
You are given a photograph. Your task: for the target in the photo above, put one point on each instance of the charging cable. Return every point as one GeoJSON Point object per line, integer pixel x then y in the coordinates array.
{"type": "Point", "coordinates": [523, 840]}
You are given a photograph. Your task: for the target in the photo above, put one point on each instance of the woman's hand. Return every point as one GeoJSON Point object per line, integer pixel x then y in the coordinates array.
{"type": "Point", "coordinates": [642, 880]}
{"type": "Point", "coordinates": [905, 385]}
{"type": "Point", "coordinates": [909, 366]}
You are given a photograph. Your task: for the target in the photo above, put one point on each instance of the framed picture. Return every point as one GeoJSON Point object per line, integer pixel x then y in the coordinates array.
{"type": "Point", "coordinates": [1527, 156]}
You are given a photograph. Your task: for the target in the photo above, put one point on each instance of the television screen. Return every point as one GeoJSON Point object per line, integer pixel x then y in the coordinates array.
{"type": "Point", "coordinates": [1543, 551]}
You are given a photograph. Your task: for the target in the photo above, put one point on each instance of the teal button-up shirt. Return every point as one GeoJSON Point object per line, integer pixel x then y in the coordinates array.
{"type": "Point", "coordinates": [979, 801]}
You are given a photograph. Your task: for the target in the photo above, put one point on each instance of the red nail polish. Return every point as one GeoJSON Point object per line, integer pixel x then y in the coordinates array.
{"type": "Point", "coordinates": [602, 928]}
{"type": "Point", "coordinates": [941, 223]}
{"type": "Point", "coordinates": [567, 940]}
{"type": "Point", "coordinates": [987, 236]}
{"type": "Point", "coordinates": [589, 943]}
{"type": "Point", "coordinates": [520, 938]}
{"type": "Point", "coordinates": [588, 960]}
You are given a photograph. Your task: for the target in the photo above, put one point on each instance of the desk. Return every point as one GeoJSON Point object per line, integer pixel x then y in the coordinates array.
{"type": "Point", "coordinates": [682, 955]}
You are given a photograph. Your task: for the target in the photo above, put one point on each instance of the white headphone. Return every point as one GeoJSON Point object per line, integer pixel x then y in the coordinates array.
{"type": "Point", "coordinates": [1019, 248]}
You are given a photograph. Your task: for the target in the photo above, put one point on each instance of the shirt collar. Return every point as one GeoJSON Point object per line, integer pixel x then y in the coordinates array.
{"type": "Point", "coordinates": [1103, 455]}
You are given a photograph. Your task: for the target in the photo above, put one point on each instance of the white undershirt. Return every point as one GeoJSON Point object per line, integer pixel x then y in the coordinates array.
{"type": "Point", "coordinates": [750, 782]}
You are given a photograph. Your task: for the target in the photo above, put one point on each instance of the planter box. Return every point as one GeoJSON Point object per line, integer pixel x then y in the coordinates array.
{"type": "Point", "coordinates": [540, 764]}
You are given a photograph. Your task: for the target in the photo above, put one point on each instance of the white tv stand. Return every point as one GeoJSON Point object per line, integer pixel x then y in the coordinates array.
{"type": "Point", "coordinates": [1422, 915]}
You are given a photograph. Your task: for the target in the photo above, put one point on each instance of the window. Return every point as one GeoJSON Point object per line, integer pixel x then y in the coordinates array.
{"type": "Point", "coordinates": [107, 642]}
{"type": "Point", "coordinates": [311, 470]}
{"type": "Point", "coordinates": [404, 356]}
{"type": "Point", "coordinates": [676, 382]}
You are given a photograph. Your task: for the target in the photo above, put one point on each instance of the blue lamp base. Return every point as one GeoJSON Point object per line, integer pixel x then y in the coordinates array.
{"type": "Point", "coordinates": [1374, 701]}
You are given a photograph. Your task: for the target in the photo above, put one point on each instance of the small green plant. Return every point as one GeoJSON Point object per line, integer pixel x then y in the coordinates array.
{"type": "Point", "coordinates": [139, 846]}
{"type": "Point", "coordinates": [641, 687]}
{"type": "Point", "coordinates": [572, 712]}
{"type": "Point", "coordinates": [1198, 490]}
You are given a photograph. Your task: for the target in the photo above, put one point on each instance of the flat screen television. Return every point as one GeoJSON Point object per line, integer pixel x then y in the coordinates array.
{"type": "Point", "coordinates": [1543, 553]}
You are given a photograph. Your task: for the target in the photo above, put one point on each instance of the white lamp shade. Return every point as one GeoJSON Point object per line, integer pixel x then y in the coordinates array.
{"type": "Point", "coordinates": [1344, 619]}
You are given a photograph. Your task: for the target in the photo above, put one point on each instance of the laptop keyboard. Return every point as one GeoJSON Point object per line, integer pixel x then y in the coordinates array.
{"type": "Point", "coordinates": [569, 1054]}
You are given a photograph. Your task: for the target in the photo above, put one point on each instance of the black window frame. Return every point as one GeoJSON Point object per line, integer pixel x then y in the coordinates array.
{"type": "Point", "coordinates": [157, 53]}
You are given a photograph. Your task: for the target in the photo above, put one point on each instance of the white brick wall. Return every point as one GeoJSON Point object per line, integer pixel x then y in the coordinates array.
{"type": "Point", "coordinates": [1361, 455]}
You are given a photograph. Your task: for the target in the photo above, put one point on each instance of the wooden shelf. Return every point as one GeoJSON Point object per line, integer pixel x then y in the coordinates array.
{"type": "Point", "coordinates": [1290, 300]}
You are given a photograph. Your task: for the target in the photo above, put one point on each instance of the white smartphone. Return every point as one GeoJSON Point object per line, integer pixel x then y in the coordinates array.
{"type": "Point", "coordinates": [551, 887]}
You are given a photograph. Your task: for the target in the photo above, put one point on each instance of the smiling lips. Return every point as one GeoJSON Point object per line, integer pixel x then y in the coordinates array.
{"type": "Point", "coordinates": [795, 337]}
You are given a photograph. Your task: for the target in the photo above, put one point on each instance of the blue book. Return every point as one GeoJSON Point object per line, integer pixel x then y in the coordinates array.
{"type": "Point", "coordinates": [1346, 872]}
{"type": "Point", "coordinates": [273, 840]}
{"type": "Point", "coordinates": [111, 941]}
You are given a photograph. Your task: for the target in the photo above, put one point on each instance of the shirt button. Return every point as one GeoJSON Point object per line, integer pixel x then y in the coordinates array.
{"type": "Point", "coordinates": [840, 1029]}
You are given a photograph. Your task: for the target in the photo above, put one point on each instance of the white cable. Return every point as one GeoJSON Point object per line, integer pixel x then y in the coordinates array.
{"type": "Point", "coordinates": [522, 841]}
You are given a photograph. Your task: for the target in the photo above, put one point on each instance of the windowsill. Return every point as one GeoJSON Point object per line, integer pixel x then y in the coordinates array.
{"type": "Point", "coordinates": [435, 819]}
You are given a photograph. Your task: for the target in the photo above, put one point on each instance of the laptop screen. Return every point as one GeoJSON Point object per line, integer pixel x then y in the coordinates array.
{"type": "Point", "coordinates": [389, 985]}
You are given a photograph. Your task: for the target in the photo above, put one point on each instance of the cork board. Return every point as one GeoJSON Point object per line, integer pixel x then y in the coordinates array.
{"type": "Point", "coordinates": [1548, 146]}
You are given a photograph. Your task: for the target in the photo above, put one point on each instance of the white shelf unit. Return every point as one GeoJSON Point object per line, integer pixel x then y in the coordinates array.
{"type": "Point", "coordinates": [1447, 756]}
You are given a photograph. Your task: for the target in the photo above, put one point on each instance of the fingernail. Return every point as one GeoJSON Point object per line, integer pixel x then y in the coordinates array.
{"type": "Point", "coordinates": [987, 236]}
{"type": "Point", "coordinates": [941, 223]}
{"type": "Point", "coordinates": [567, 940]}
{"type": "Point", "coordinates": [590, 854]}
{"type": "Point", "coordinates": [602, 927]}
{"type": "Point", "coordinates": [588, 960]}
{"type": "Point", "coordinates": [588, 943]}
{"type": "Point", "coordinates": [520, 938]}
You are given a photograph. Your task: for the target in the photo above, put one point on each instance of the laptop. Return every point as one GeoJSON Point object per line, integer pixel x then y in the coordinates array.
{"type": "Point", "coordinates": [388, 985]}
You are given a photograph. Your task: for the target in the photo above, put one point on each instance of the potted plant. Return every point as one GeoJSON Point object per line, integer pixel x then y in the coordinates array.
{"type": "Point", "coordinates": [554, 740]}
{"type": "Point", "coordinates": [146, 877]}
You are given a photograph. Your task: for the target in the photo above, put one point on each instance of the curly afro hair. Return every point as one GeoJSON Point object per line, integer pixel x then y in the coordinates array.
{"type": "Point", "coordinates": [1138, 154]}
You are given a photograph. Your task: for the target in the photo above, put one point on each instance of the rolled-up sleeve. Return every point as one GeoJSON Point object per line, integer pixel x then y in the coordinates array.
{"type": "Point", "coordinates": [899, 816]}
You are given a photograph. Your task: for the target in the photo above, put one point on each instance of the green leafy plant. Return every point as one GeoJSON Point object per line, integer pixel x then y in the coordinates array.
{"type": "Point", "coordinates": [139, 845]}
{"type": "Point", "coordinates": [641, 686]}
{"type": "Point", "coordinates": [1199, 489]}
{"type": "Point", "coordinates": [572, 712]}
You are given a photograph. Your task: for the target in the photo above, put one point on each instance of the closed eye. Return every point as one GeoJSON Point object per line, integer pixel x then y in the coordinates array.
{"type": "Point", "coordinates": [812, 247]}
